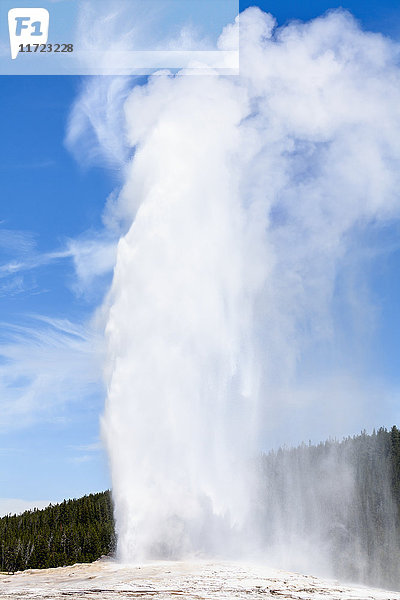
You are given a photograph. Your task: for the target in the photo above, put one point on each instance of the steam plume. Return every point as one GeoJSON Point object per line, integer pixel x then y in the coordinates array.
{"type": "Point", "coordinates": [243, 198]}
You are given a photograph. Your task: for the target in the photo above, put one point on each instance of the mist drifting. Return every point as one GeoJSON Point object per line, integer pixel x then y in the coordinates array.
{"type": "Point", "coordinates": [243, 197]}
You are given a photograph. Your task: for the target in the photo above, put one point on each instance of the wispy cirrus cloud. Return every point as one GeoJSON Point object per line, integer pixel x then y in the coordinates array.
{"type": "Point", "coordinates": [45, 365]}
{"type": "Point", "coordinates": [33, 262]}
{"type": "Point", "coordinates": [95, 132]}
{"type": "Point", "coordinates": [92, 256]}
{"type": "Point", "coordinates": [93, 447]}
{"type": "Point", "coordinates": [84, 453]}
{"type": "Point", "coordinates": [13, 287]}
{"type": "Point", "coordinates": [14, 241]}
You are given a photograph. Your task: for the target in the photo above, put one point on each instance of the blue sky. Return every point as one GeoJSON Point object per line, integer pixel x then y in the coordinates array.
{"type": "Point", "coordinates": [375, 16]}
{"type": "Point", "coordinates": [47, 198]}
{"type": "Point", "coordinates": [50, 201]}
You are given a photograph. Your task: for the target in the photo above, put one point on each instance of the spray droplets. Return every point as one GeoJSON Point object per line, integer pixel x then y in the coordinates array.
{"type": "Point", "coordinates": [242, 197]}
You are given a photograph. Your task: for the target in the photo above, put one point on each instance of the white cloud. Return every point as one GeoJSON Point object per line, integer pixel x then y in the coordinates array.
{"type": "Point", "coordinates": [46, 366]}
{"type": "Point", "coordinates": [96, 130]}
{"type": "Point", "coordinates": [20, 255]}
{"type": "Point", "coordinates": [32, 262]}
{"type": "Point", "coordinates": [93, 256]}
{"type": "Point", "coordinates": [84, 453]}
{"type": "Point", "coordinates": [81, 459]}
{"type": "Point", "coordinates": [96, 126]}
{"type": "Point", "coordinates": [93, 447]}
{"type": "Point", "coordinates": [14, 286]}
{"type": "Point", "coordinates": [17, 242]}
{"type": "Point", "coordinates": [245, 196]}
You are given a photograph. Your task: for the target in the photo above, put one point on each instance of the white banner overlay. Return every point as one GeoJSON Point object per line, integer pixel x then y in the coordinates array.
{"type": "Point", "coordinates": [117, 37]}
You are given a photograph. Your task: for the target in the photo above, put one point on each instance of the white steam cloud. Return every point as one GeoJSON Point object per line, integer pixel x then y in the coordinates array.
{"type": "Point", "coordinates": [244, 196]}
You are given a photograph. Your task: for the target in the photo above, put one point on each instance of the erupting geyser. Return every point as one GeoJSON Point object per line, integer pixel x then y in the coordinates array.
{"type": "Point", "coordinates": [179, 413]}
{"type": "Point", "coordinates": [243, 194]}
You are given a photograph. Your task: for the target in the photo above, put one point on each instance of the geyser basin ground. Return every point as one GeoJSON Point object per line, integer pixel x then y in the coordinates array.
{"type": "Point", "coordinates": [200, 580]}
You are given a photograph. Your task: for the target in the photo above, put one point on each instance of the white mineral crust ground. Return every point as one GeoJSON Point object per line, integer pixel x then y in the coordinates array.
{"type": "Point", "coordinates": [192, 580]}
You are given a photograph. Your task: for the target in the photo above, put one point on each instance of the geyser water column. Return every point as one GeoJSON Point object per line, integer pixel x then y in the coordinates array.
{"type": "Point", "coordinates": [181, 378]}
{"type": "Point", "coordinates": [243, 197]}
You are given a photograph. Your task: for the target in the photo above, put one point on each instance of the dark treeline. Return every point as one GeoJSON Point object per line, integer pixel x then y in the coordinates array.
{"type": "Point", "coordinates": [331, 508]}
{"type": "Point", "coordinates": [335, 506]}
{"type": "Point", "coordinates": [73, 531]}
